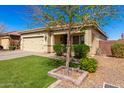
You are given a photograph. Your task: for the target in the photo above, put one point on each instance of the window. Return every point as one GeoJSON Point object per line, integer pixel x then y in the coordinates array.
{"type": "Point", "coordinates": [81, 39]}
{"type": "Point", "coordinates": [78, 39]}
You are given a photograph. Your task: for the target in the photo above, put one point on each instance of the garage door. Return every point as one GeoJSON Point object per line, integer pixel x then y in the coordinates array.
{"type": "Point", "coordinates": [34, 44]}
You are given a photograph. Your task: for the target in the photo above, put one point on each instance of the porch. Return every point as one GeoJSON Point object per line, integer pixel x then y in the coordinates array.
{"type": "Point", "coordinates": [77, 37]}
{"type": "Point", "coordinates": [62, 38]}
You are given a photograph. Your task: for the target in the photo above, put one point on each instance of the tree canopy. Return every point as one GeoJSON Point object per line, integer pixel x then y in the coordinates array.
{"type": "Point", "coordinates": [67, 15]}
{"type": "Point", "coordinates": [54, 15]}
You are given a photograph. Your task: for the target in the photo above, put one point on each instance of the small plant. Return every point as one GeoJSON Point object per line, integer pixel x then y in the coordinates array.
{"type": "Point", "coordinates": [12, 47]}
{"type": "Point", "coordinates": [59, 49]}
{"type": "Point", "coordinates": [81, 50]}
{"type": "Point", "coordinates": [118, 50]}
{"type": "Point", "coordinates": [64, 48]}
{"type": "Point", "coordinates": [74, 65]}
{"type": "Point", "coordinates": [88, 64]}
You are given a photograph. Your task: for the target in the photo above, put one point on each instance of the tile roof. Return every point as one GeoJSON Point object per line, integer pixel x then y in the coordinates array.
{"type": "Point", "coordinates": [10, 33]}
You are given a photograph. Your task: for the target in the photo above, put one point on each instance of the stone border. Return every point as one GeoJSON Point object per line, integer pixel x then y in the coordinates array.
{"type": "Point", "coordinates": [77, 82]}
{"type": "Point", "coordinates": [53, 85]}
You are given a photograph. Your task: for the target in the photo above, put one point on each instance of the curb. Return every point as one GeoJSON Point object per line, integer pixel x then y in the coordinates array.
{"type": "Point", "coordinates": [53, 85]}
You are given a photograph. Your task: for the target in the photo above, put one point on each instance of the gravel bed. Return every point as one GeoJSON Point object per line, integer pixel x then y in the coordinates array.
{"type": "Point", "coordinates": [110, 70]}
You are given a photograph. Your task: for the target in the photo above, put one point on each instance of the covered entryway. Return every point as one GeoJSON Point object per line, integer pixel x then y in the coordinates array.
{"type": "Point", "coordinates": [34, 44]}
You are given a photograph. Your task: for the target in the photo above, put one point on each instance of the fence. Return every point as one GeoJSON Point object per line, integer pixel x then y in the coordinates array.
{"type": "Point", "coordinates": [105, 46]}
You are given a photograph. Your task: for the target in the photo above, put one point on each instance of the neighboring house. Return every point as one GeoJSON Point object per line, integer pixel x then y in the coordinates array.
{"type": "Point", "coordinates": [42, 40]}
{"type": "Point", "coordinates": [10, 39]}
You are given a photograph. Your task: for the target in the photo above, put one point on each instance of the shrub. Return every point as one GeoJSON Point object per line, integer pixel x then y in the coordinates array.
{"type": "Point", "coordinates": [118, 50]}
{"type": "Point", "coordinates": [81, 50]}
{"type": "Point", "coordinates": [64, 48]}
{"type": "Point", "coordinates": [74, 65]}
{"type": "Point", "coordinates": [88, 64]}
{"type": "Point", "coordinates": [12, 47]}
{"type": "Point", "coordinates": [59, 49]}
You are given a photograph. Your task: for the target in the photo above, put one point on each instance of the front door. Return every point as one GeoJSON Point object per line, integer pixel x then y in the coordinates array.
{"type": "Point", "coordinates": [63, 39]}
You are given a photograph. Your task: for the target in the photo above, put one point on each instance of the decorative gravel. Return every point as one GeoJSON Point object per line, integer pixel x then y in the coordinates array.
{"type": "Point", "coordinates": [110, 70]}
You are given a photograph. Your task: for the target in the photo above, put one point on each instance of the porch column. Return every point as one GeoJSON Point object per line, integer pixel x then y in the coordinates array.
{"type": "Point", "coordinates": [52, 42]}
{"type": "Point", "coordinates": [88, 39]}
{"type": "Point", "coordinates": [21, 43]}
{"type": "Point", "coordinates": [71, 39]}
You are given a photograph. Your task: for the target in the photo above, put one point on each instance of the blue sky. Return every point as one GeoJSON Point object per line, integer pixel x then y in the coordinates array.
{"type": "Point", "coordinates": [14, 19]}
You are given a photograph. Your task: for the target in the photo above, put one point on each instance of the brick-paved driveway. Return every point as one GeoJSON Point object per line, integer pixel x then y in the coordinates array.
{"type": "Point", "coordinates": [110, 70]}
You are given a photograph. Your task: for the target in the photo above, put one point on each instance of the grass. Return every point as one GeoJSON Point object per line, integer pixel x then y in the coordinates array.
{"type": "Point", "coordinates": [27, 72]}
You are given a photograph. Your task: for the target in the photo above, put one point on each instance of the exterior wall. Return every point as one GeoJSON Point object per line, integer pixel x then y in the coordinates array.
{"type": "Point", "coordinates": [96, 37]}
{"type": "Point", "coordinates": [5, 42]}
{"type": "Point", "coordinates": [0, 40]}
{"type": "Point", "coordinates": [44, 42]}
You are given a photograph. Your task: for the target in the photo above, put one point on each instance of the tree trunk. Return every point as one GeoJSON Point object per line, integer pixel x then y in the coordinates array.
{"type": "Point", "coordinates": [68, 49]}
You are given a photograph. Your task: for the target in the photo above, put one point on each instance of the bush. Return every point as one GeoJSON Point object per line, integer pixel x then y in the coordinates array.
{"type": "Point", "coordinates": [118, 50]}
{"type": "Point", "coordinates": [88, 64]}
{"type": "Point", "coordinates": [59, 49]}
{"type": "Point", "coordinates": [81, 50]}
{"type": "Point", "coordinates": [74, 65]}
{"type": "Point", "coordinates": [64, 48]}
{"type": "Point", "coordinates": [12, 48]}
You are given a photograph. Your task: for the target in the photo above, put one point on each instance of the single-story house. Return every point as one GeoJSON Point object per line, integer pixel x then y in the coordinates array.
{"type": "Point", "coordinates": [10, 39]}
{"type": "Point", "coordinates": [42, 39]}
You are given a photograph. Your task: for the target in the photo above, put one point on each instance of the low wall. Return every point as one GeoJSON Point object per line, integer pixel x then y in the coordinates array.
{"type": "Point", "coordinates": [105, 46]}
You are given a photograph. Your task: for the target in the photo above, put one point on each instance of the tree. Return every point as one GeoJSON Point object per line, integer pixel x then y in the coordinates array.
{"type": "Point", "coordinates": [68, 16]}
{"type": "Point", "coordinates": [2, 27]}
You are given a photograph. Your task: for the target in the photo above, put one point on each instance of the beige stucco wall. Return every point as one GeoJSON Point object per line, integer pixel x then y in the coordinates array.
{"type": "Point", "coordinates": [36, 42]}
{"type": "Point", "coordinates": [96, 36]}
{"type": "Point", "coordinates": [0, 40]}
{"type": "Point", "coordinates": [88, 37]}
{"type": "Point", "coordinates": [5, 42]}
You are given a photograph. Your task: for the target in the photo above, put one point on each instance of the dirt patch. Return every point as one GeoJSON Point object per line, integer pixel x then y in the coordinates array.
{"type": "Point", "coordinates": [74, 74]}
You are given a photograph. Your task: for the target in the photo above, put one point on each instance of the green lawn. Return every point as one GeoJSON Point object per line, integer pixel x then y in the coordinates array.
{"type": "Point", "coordinates": [27, 72]}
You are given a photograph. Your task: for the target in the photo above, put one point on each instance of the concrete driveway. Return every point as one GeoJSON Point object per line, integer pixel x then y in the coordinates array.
{"type": "Point", "coordinates": [5, 55]}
